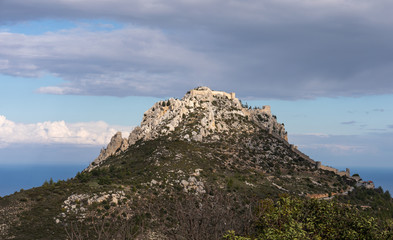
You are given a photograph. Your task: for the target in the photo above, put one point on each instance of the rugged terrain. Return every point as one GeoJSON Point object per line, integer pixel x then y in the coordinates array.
{"type": "Point", "coordinates": [195, 168]}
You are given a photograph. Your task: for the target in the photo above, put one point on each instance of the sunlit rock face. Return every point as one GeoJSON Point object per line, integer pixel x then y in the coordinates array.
{"type": "Point", "coordinates": [202, 114]}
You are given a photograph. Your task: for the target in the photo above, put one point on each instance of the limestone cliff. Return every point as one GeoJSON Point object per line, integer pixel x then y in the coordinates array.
{"type": "Point", "coordinates": [115, 146]}
{"type": "Point", "coordinates": [216, 109]}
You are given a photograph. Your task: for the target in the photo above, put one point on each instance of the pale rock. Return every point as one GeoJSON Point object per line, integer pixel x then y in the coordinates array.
{"type": "Point", "coordinates": [184, 183]}
{"type": "Point", "coordinates": [134, 135]}
{"type": "Point", "coordinates": [115, 200]}
{"type": "Point", "coordinates": [200, 188]}
{"type": "Point", "coordinates": [215, 137]}
{"type": "Point", "coordinates": [203, 132]}
{"type": "Point", "coordinates": [204, 122]}
{"type": "Point", "coordinates": [187, 137]}
{"type": "Point", "coordinates": [205, 105]}
{"type": "Point", "coordinates": [171, 127]}
{"type": "Point", "coordinates": [154, 182]}
{"type": "Point", "coordinates": [116, 145]}
{"type": "Point", "coordinates": [192, 180]}
{"type": "Point", "coordinates": [192, 184]}
{"type": "Point", "coordinates": [197, 138]}
{"type": "Point", "coordinates": [165, 116]}
{"type": "Point", "coordinates": [197, 172]}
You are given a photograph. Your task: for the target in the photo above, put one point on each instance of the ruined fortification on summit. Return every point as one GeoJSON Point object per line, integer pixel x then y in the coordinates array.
{"type": "Point", "coordinates": [206, 92]}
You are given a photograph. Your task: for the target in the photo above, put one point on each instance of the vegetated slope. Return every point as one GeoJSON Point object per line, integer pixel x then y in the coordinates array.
{"type": "Point", "coordinates": [194, 169]}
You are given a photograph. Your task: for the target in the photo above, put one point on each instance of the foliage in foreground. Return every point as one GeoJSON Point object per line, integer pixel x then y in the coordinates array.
{"type": "Point", "coordinates": [295, 218]}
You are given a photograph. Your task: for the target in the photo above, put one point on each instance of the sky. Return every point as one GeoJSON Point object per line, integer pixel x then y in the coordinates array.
{"type": "Point", "coordinates": [72, 73]}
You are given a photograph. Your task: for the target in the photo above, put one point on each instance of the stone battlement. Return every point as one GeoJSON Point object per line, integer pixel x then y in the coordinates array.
{"type": "Point", "coordinates": [228, 95]}
{"type": "Point", "coordinates": [331, 169]}
{"type": "Point", "coordinates": [205, 91]}
{"type": "Point", "coordinates": [265, 109]}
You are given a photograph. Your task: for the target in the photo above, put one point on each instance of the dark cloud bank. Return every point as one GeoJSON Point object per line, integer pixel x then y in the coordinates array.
{"type": "Point", "coordinates": [260, 49]}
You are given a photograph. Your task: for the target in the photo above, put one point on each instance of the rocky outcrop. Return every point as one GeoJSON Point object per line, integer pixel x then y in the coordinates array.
{"type": "Point", "coordinates": [78, 204]}
{"type": "Point", "coordinates": [216, 107]}
{"type": "Point", "coordinates": [218, 112]}
{"type": "Point", "coordinates": [115, 146]}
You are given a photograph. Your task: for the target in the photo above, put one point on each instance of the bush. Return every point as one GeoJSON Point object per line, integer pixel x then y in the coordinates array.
{"type": "Point", "coordinates": [82, 177]}
{"type": "Point", "coordinates": [104, 180]}
{"type": "Point", "coordinates": [295, 218]}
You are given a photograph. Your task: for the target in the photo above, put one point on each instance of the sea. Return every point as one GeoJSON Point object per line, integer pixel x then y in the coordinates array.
{"type": "Point", "coordinates": [15, 178]}
{"type": "Point", "coordinates": [382, 177]}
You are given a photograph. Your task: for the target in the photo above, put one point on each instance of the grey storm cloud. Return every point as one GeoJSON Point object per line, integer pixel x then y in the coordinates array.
{"type": "Point", "coordinates": [260, 49]}
{"type": "Point", "coordinates": [130, 61]}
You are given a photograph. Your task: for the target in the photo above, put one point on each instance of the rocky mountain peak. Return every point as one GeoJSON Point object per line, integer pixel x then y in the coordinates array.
{"type": "Point", "coordinates": [202, 114]}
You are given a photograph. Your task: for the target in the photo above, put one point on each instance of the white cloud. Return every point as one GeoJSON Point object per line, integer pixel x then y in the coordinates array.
{"type": "Point", "coordinates": [90, 133]}
{"type": "Point", "coordinates": [336, 148]}
{"type": "Point", "coordinates": [335, 144]}
{"type": "Point", "coordinates": [372, 149]}
{"type": "Point", "coordinates": [58, 90]}
{"type": "Point", "coordinates": [322, 135]}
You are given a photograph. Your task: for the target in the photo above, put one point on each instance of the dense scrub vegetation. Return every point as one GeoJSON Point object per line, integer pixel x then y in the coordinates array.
{"type": "Point", "coordinates": [150, 175]}
{"type": "Point", "coordinates": [373, 201]}
{"type": "Point", "coordinates": [296, 218]}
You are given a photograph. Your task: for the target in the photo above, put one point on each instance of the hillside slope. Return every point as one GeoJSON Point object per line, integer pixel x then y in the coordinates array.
{"type": "Point", "coordinates": [194, 169]}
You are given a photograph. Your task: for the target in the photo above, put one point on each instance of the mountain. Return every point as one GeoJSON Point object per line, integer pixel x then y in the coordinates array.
{"type": "Point", "coordinates": [195, 168]}
{"type": "Point", "coordinates": [202, 115]}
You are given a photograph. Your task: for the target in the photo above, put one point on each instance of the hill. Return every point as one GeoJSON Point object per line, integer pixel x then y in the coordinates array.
{"type": "Point", "coordinates": [195, 168]}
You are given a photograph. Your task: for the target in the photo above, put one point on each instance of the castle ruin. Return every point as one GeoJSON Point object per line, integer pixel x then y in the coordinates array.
{"type": "Point", "coordinates": [331, 169]}
{"type": "Point", "coordinates": [205, 91]}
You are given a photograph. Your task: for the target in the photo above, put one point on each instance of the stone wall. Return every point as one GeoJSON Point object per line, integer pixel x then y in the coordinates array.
{"type": "Point", "coordinates": [345, 173]}
{"type": "Point", "coordinates": [220, 93]}
{"type": "Point", "coordinates": [266, 109]}
{"type": "Point", "coordinates": [318, 164]}
{"type": "Point", "coordinates": [207, 91]}
{"type": "Point", "coordinates": [331, 169]}
{"type": "Point", "coordinates": [327, 168]}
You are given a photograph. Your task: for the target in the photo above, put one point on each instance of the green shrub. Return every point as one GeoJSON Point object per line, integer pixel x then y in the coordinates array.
{"type": "Point", "coordinates": [295, 218]}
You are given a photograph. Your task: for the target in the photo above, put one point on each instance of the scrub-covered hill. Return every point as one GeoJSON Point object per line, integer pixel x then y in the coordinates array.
{"type": "Point", "coordinates": [195, 168]}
